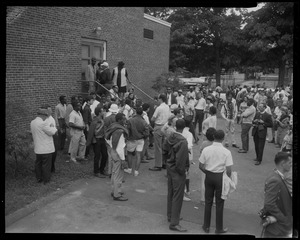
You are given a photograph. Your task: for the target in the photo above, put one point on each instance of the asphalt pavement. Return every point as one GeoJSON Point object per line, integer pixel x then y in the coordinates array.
{"type": "Point", "coordinates": [87, 207]}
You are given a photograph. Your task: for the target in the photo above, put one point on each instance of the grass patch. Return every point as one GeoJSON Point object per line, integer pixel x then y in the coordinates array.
{"type": "Point", "coordinates": [23, 188]}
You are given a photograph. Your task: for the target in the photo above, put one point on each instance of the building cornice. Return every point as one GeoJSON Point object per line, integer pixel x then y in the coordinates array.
{"type": "Point", "coordinates": [154, 19]}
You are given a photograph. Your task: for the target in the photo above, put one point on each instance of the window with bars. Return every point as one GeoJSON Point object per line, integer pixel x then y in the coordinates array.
{"type": "Point", "coordinates": [148, 33]}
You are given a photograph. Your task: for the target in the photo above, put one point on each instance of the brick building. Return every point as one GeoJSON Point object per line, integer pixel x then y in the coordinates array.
{"type": "Point", "coordinates": [47, 49]}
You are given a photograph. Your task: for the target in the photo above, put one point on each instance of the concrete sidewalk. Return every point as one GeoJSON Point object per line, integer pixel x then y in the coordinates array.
{"type": "Point", "coordinates": [87, 207]}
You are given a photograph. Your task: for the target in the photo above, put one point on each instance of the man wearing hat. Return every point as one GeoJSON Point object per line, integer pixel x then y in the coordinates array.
{"type": "Point", "coordinates": [90, 74]}
{"type": "Point", "coordinates": [108, 120]}
{"type": "Point", "coordinates": [42, 133]}
{"type": "Point", "coordinates": [180, 99]}
{"type": "Point", "coordinates": [104, 77]}
{"type": "Point", "coordinates": [120, 78]}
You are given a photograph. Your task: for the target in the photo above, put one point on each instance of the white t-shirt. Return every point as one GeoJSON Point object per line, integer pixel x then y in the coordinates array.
{"type": "Point", "coordinates": [201, 104]}
{"type": "Point", "coordinates": [211, 121]}
{"type": "Point", "coordinates": [76, 118]}
{"type": "Point", "coordinates": [216, 158]}
{"type": "Point", "coordinates": [161, 114]}
{"type": "Point", "coordinates": [189, 137]}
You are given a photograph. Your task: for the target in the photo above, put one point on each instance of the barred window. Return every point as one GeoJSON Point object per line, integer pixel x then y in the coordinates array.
{"type": "Point", "coordinates": [148, 33]}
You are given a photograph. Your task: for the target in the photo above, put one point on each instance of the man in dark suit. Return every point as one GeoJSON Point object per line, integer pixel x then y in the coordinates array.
{"type": "Point", "coordinates": [262, 121]}
{"type": "Point", "coordinates": [171, 98]}
{"type": "Point", "coordinates": [278, 200]}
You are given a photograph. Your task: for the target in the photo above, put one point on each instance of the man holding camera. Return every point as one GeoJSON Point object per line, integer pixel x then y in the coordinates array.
{"type": "Point", "coordinates": [277, 212]}
{"type": "Point", "coordinates": [261, 122]}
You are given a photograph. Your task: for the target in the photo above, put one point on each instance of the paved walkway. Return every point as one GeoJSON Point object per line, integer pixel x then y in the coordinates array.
{"type": "Point", "coordinates": [87, 207]}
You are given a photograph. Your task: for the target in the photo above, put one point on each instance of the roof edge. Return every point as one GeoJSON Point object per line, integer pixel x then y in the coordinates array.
{"type": "Point", "coordinates": [154, 19]}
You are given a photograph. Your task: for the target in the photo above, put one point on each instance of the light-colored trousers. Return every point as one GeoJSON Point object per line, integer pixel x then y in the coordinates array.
{"type": "Point", "coordinates": [230, 127]}
{"type": "Point", "coordinates": [117, 173]}
{"type": "Point", "coordinates": [158, 141]}
{"type": "Point", "coordinates": [77, 145]}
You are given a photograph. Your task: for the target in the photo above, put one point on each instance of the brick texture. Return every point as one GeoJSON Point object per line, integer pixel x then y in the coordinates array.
{"type": "Point", "coordinates": [43, 53]}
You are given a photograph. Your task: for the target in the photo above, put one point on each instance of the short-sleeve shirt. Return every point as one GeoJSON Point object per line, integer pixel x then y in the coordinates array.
{"type": "Point", "coordinates": [161, 114]}
{"type": "Point", "coordinates": [216, 158]}
{"type": "Point", "coordinates": [76, 118]}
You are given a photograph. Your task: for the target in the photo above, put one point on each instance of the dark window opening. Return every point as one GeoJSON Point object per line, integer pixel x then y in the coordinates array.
{"type": "Point", "coordinates": [148, 33]}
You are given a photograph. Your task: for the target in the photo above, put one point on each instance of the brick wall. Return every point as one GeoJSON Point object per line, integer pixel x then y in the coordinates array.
{"type": "Point", "coordinates": [43, 59]}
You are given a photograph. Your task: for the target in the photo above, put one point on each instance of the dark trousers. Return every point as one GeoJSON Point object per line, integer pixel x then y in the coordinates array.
{"type": "Point", "coordinates": [259, 144]}
{"type": "Point", "coordinates": [57, 147]}
{"type": "Point", "coordinates": [213, 188]}
{"type": "Point", "coordinates": [43, 167]}
{"type": "Point", "coordinates": [199, 119]}
{"type": "Point", "coordinates": [245, 135]}
{"type": "Point", "coordinates": [176, 185]}
{"type": "Point", "coordinates": [100, 155]}
{"type": "Point", "coordinates": [87, 149]}
{"type": "Point", "coordinates": [62, 133]}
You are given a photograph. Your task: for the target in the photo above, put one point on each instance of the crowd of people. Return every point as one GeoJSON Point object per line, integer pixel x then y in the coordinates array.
{"type": "Point", "coordinates": [120, 129]}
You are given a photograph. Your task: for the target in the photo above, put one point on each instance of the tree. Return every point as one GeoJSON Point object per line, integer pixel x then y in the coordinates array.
{"type": "Point", "coordinates": [159, 12]}
{"type": "Point", "coordinates": [270, 35]}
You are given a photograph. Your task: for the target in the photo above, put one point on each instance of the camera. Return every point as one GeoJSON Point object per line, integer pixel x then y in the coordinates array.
{"type": "Point", "coordinates": [263, 214]}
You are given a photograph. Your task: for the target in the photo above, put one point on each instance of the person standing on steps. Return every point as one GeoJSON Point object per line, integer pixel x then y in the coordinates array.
{"type": "Point", "coordinates": [175, 149]}
{"type": "Point", "coordinates": [120, 77]}
{"type": "Point", "coordinates": [90, 74]}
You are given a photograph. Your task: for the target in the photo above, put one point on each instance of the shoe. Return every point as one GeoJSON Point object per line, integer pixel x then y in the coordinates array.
{"type": "Point", "coordinates": [155, 169]}
{"type": "Point", "coordinates": [99, 175]}
{"type": "Point", "coordinates": [128, 170]}
{"type": "Point", "coordinates": [120, 198]}
{"type": "Point", "coordinates": [242, 151]}
{"type": "Point", "coordinates": [258, 163]}
{"type": "Point", "coordinates": [186, 199]}
{"type": "Point", "coordinates": [169, 219]}
{"type": "Point", "coordinates": [234, 145]}
{"type": "Point", "coordinates": [255, 160]}
{"type": "Point", "coordinates": [177, 228]}
{"type": "Point", "coordinates": [206, 230]}
{"type": "Point", "coordinates": [104, 173]}
{"type": "Point", "coordinates": [74, 161]}
{"type": "Point", "coordinates": [136, 173]}
{"type": "Point", "coordinates": [224, 230]}
{"type": "Point", "coordinates": [144, 161]}
{"type": "Point", "coordinates": [121, 194]}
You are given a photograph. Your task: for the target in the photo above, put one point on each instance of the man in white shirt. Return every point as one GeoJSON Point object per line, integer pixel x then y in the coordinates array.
{"type": "Point", "coordinates": [59, 116]}
{"type": "Point", "coordinates": [180, 99]}
{"type": "Point", "coordinates": [116, 134]}
{"type": "Point", "coordinates": [211, 121]}
{"type": "Point", "coordinates": [78, 141]}
{"type": "Point", "coordinates": [199, 108]}
{"type": "Point", "coordinates": [42, 133]}
{"type": "Point", "coordinates": [247, 118]}
{"type": "Point", "coordinates": [214, 160]}
{"type": "Point", "coordinates": [160, 118]}
{"type": "Point", "coordinates": [94, 104]}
